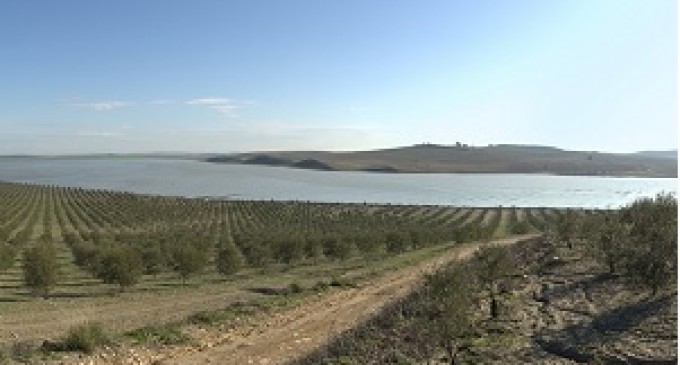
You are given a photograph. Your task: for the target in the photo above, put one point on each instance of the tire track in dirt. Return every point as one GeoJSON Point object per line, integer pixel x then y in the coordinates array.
{"type": "Point", "coordinates": [297, 331]}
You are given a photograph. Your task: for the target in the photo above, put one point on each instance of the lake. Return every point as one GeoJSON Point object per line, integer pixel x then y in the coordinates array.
{"type": "Point", "coordinates": [201, 179]}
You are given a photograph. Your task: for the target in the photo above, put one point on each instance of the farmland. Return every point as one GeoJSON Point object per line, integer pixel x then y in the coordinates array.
{"type": "Point", "coordinates": [187, 255]}
{"type": "Point", "coordinates": [596, 288]}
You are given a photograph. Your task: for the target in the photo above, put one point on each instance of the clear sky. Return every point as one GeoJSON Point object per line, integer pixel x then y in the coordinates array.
{"type": "Point", "coordinates": [217, 76]}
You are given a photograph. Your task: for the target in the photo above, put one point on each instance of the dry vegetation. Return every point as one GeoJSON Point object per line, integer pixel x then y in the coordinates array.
{"type": "Point", "coordinates": [599, 287]}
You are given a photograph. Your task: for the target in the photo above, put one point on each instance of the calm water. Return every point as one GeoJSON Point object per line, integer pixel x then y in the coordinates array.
{"type": "Point", "coordinates": [193, 179]}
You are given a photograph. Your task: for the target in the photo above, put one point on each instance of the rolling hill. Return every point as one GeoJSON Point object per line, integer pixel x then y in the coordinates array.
{"type": "Point", "coordinates": [505, 158]}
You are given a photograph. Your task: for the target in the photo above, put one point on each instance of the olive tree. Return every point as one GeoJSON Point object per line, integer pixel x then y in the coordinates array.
{"type": "Point", "coordinates": [229, 259]}
{"type": "Point", "coordinates": [41, 268]}
{"type": "Point", "coordinates": [7, 255]}
{"type": "Point", "coordinates": [493, 265]}
{"type": "Point", "coordinates": [188, 260]}
{"type": "Point", "coordinates": [120, 265]}
{"type": "Point", "coordinates": [451, 300]}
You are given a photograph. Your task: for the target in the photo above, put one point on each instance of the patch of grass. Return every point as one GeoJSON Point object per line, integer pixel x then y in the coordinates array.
{"type": "Point", "coordinates": [169, 334]}
{"type": "Point", "coordinates": [219, 316]}
{"type": "Point", "coordinates": [84, 338]}
{"type": "Point", "coordinates": [238, 309]}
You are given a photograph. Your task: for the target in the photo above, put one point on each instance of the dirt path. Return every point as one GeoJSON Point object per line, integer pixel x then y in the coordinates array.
{"type": "Point", "coordinates": [291, 333]}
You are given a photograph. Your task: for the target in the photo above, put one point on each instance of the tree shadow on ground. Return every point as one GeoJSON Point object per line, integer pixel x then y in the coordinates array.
{"type": "Point", "coordinates": [576, 342]}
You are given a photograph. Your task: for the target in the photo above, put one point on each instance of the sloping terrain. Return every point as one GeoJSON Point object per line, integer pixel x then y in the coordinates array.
{"type": "Point", "coordinates": [284, 336]}
{"type": "Point", "coordinates": [563, 310]}
{"type": "Point", "coordinates": [464, 159]}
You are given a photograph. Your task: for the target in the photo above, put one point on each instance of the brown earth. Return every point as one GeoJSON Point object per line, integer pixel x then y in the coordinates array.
{"type": "Point", "coordinates": [284, 336]}
{"type": "Point", "coordinates": [560, 307]}
{"type": "Point", "coordinates": [45, 319]}
{"type": "Point", "coordinates": [571, 310]}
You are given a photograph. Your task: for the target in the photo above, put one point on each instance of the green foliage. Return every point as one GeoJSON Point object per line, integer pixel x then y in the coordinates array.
{"type": "Point", "coordinates": [493, 265]}
{"type": "Point", "coordinates": [120, 265]}
{"type": "Point", "coordinates": [314, 249]}
{"type": "Point", "coordinates": [371, 248]}
{"type": "Point", "coordinates": [94, 223]}
{"type": "Point", "coordinates": [85, 254]}
{"type": "Point", "coordinates": [653, 253]}
{"type": "Point", "coordinates": [229, 259]}
{"type": "Point", "coordinates": [397, 242]}
{"type": "Point", "coordinates": [291, 250]}
{"type": "Point", "coordinates": [295, 288]}
{"type": "Point", "coordinates": [451, 301]}
{"type": "Point", "coordinates": [7, 255]}
{"type": "Point", "coordinates": [258, 253]}
{"type": "Point", "coordinates": [85, 338]}
{"type": "Point", "coordinates": [153, 259]}
{"type": "Point", "coordinates": [41, 269]}
{"type": "Point", "coordinates": [568, 227]}
{"type": "Point", "coordinates": [337, 249]}
{"type": "Point", "coordinates": [522, 227]}
{"type": "Point", "coordinates": [639, 241]}
{"type": "Point", "coordinates": [158, 335]}
{"type": "Point", "coordinates": [611, 241]}
{"type": "Point", "coordinates": [188, 260]}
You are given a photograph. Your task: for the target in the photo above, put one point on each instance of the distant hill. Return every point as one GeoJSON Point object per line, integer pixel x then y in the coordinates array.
{"type": "Point", "coordinates": [431, 158]}
{"type": "Point", "coordinates": [660, 154]}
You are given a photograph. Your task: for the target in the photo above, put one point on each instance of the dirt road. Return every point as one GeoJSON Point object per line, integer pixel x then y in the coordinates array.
{"type": "Point", "coordinates": [294, 332]}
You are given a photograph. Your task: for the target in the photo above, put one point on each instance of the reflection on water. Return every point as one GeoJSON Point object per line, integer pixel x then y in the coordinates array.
{"type": "Point", "coordinates": [194, 179]}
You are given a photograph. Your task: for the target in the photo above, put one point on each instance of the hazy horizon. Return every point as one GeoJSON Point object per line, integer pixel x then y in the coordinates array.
{"type": "Point", "coordinates": [86, 77]}
{"type": "Point", "coordinates": [180, 152]}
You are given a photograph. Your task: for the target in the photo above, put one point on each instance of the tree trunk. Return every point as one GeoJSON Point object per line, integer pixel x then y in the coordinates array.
{"type": "Point", "coordinates": [494, 307]}
{"type": "Point", "coordinates": [451, 350]}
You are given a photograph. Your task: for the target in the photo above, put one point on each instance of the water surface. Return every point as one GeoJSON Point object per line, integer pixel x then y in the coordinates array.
{"type": "Point", "coordinates": [197, 179]}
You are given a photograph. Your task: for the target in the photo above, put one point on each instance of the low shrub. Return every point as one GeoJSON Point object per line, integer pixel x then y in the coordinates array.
{"type": "Point", "coordinates": [85, 338]}
{"type": "Point", "coordinates": [295, 288]}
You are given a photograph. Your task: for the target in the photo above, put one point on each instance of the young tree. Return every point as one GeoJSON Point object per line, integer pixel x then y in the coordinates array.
{"type": "Point", "coordinates": [611, 241]}
{"type": "Point", "coordinates": [257, 252]}
{"type": "Point", "coordinates": [229, 259]}
{"type": "Point", "coordinates": [188, 260]}
{"type": "Point", "coordinates": [314, 249]}
{"type": "Point", "coordinates": [568, 228]}
{"type": "Point", "coordinates": [41, 269]}
{"type": "Point", "coordinates": [7, 255]}
{"type": "Point", "coordinates": [652, 255]}
{"type": "Point", "coordinates": [291, 249]}
{"type": "Point", "coordinates": [397, 242]}
{"type": "Point", "coordinates": [86, 255]}
{"type": "Point", "coordinates": [120, 265]}
{"type": "Point", "coordinates": [370, 246]}
{"type": "Point", "coordinates": [451, 301]}
{"type": "Point", "coordinates": [336, 248]}
{"type": "Point", "coordinates": [493, 265]}
{"type": "Point", "coordinates": [153, 258]}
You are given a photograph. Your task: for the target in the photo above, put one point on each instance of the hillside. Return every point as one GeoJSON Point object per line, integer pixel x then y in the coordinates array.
{"type": "Point", "coordinates": [431, 158]}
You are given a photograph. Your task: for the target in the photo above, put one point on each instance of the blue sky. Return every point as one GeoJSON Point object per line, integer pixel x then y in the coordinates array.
{"type": "Point", "coordinates": [218, 76]}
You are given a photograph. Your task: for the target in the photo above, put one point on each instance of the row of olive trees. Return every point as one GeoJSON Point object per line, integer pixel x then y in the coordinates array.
{"type": "Point", "coordinates": [460, 295]}
{"type": "Point", "coordinates": [121, 265]}
{"type": "Point", "coordinates": [638, 241]}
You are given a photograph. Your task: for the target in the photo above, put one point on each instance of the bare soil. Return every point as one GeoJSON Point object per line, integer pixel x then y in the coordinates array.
{"type": "Point", "coordinates": [289, 334]}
